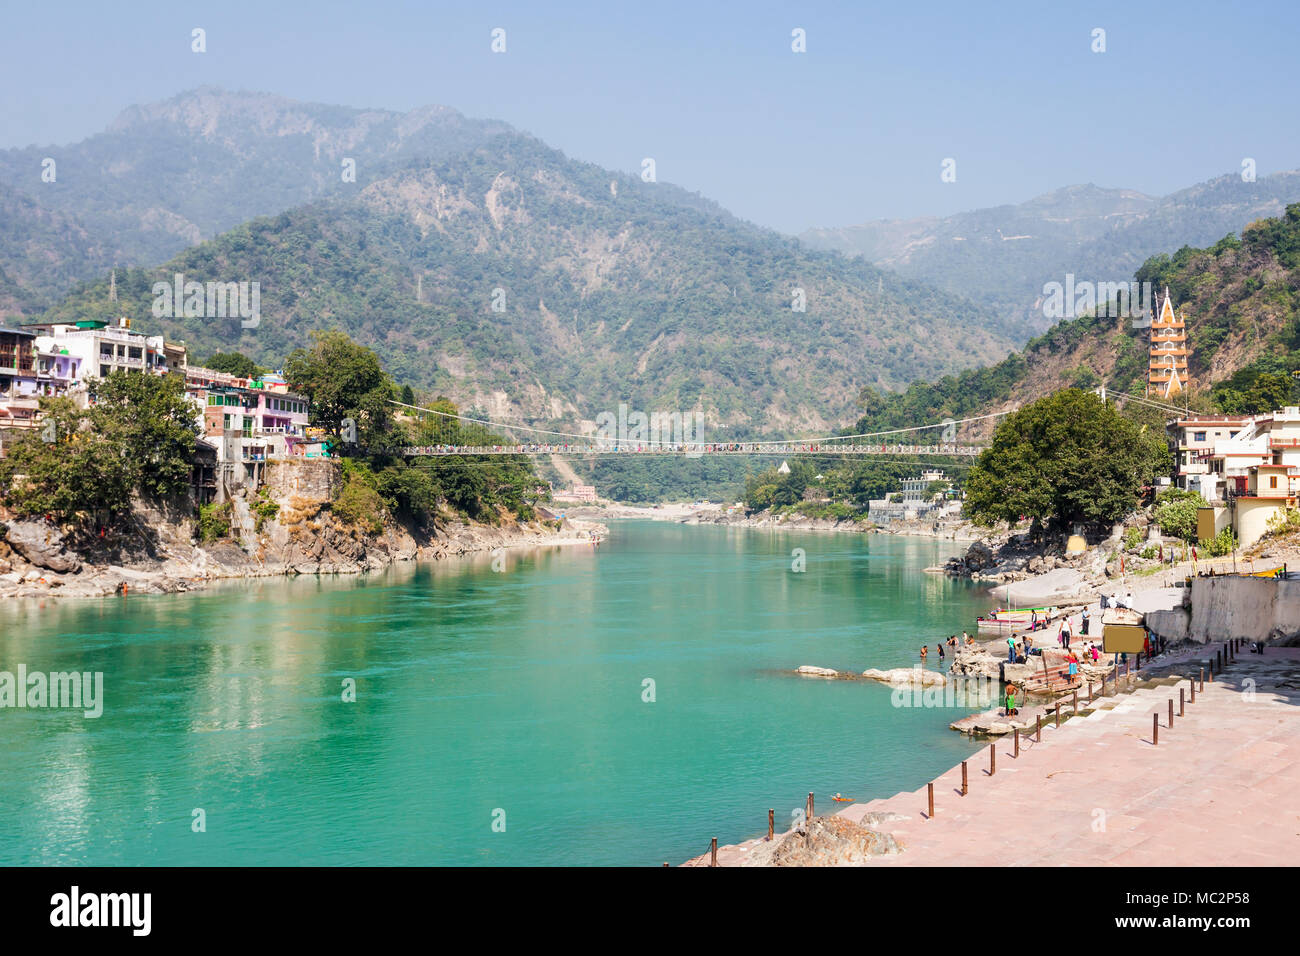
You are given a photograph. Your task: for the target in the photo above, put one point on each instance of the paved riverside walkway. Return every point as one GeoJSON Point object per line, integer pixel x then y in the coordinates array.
{"type": "Point", "coordinates": [1218, 789]}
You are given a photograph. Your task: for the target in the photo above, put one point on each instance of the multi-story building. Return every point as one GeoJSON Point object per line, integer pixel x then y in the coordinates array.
{"type": "Point", "coordinates": [102, 349]}
{"type": "Point", "coordinates": [1167, 360]}
{"type": "Point", "coordinates": [1192, 440]}
{"type": "Point", "coordinates": [247, 422]}
{"type": "Point", "coordinates": [910, 503]}
{"type": "Point", "coordinates": [1257, 475]}
{"type": "Point", "coordinates": [58, 371]}
{"type": "Point", "coordinates": [584, 493]}
{"type": "Point", "coordinates": [18, 378]}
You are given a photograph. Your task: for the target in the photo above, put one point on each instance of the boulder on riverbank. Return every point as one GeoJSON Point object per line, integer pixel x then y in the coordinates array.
{"type": "Point", "coordinates": [42, 545]}
{"type": "Point", "coordinates": [977, 661]}
{"type": "Point", "coordinates": [824, 841]}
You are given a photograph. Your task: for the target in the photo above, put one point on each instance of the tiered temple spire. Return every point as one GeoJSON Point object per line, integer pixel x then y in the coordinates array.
{"type": "Point", "coordinates": [1167, 368]}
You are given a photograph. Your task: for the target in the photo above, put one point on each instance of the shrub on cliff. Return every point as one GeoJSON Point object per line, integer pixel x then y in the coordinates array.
{"type": "Point", "coordinates": [1222, 543]}
{"type": "Point", "coordinates": [214, 521]}
{"type": "Point", "coordinates": [359, 503]}
{"type": "Point", "coordinates": [1176, 512]}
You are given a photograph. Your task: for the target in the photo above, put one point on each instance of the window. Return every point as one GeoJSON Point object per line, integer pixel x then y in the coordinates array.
{"type": "Point", "coordinates": [1198, 436]}
{"type": "Point", "coordinates": [133, 353]}
{"type": "Point", "coordinates": [1272, 481]}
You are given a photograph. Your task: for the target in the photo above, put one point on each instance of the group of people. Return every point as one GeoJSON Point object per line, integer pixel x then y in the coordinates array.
{"type": "Point", "coordinates": [953, 643]}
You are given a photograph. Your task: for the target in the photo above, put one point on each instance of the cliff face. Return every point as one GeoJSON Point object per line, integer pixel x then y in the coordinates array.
{"type": "Point", "coordinates": [159, 553]}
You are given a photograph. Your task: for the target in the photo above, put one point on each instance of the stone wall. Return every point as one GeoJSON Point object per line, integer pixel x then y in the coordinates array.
{"type": "Point", "coordinates": [313, 479]}
{"type": "Point", "coordinates": [1257, 609]}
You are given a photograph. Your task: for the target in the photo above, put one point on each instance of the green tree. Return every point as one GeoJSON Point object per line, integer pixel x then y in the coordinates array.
{"type": "Point", "coordinates": [154, 425]}
{"type": "Point", "coordinates": [1176, 513]}
{"type": "Point", "coordinates": [235, 363]}
{"type": "Point", "coordinates": [342, 380]}
{"type": "Point", "coordinates": [1065, 458]}
{"type": "Point", "coordinates": [933, 490]}
{"type": "Point", "coordinates": [81, 473]}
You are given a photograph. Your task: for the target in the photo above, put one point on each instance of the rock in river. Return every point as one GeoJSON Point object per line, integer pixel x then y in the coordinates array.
{"type": "Point", "coordinates": [906, 675]}
{"type": "Point", "coordinates": [809, 671]}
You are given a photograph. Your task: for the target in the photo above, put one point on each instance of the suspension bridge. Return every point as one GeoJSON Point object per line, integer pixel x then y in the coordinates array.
{"type": "Point", "coordinates": [455, 434]}
{"type": "Point", "coordinates": [447, 434]}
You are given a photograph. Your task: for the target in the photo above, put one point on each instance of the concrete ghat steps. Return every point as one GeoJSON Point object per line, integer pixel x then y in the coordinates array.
{"type": "Point", "coordinates": [1097, 791]}
{"type": "Point", "coordinates": [1223, 762]}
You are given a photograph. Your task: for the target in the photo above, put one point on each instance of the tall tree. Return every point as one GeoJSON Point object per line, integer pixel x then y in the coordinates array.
{"type": "Point", "coordinates": [1065, 458]}
{"type": "Point", "coordinates": [235, 363]}
{"type": "Point", "coordinates": [153, 423]}
{"type": "Point", "coordinates": [138, 436]}
{"type": "Point", "coordinates": [342, 380]}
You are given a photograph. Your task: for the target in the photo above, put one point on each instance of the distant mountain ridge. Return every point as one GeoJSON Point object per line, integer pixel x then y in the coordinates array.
{"type": "Point", "coordinates": [1004, 255]}
{"type": "Point", "coordinates": [531, 285]}
{"type": "Point", "coordinates": [165, 176]}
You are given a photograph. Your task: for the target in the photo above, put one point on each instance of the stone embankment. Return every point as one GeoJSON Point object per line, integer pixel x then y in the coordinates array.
{"type": "Point", "coordinates": [158, 553]}
{"type": "Point", "coordinates": [1221, 608]}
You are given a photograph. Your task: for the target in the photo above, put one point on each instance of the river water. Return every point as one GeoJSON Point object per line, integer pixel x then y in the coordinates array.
{"type": "Point", "coordinates": [501, 717]}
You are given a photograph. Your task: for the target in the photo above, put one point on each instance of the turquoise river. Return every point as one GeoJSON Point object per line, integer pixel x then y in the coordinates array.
{"type": "Point", "coordinates": [501, 717]}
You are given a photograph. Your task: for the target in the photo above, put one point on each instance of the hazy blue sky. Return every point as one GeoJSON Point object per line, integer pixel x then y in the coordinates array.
{"type": "Point", "coordinates": [856, 128]}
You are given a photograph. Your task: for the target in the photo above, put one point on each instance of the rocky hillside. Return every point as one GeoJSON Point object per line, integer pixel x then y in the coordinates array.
{"type": "Point", "coordinates": [1004, 255]}
{"type": "Point", "coordinates": [161, 553]}
{"type": "Point", "coordinates": [526, 284]}
{"type": "Point", "coordinates": [1241, 301]}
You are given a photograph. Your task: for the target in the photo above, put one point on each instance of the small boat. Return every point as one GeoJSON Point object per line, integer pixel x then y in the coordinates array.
{"type": "Point", "coordinates": [1270, 573]}
{"type": "Point", "coordinates": [838, 799]}
{"type": "Point", "coordinates": [1006, 622]}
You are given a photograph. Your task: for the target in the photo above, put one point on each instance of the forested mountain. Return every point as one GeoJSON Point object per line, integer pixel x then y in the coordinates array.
{"type": "Point", "coordinates": [41, 250]}
{"type": "Point", "coordinates": [167, 175]}
{"type": "Point", "coordinates": [1241, 301]}
{"type": "Point", "coordinates": [1004, 255]}
{"type": "Point", "coordinates": [528, 284]}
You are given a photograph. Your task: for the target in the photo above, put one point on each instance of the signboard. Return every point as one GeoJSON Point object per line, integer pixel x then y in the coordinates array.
{"type": "Point", "coordinates": [1122, 638]}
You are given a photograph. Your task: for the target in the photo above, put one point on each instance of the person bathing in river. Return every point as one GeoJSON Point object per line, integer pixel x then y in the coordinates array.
{"type": "Point", "coordinates": [939, 648]}
{"type": "Point", "coordinates": [925, 649]}
{"type": "Point", "coordinates": [1011, 701]}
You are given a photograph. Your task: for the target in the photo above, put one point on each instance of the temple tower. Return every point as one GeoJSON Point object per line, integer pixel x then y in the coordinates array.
{"type": "Point", "coordinates": [1167, 368]}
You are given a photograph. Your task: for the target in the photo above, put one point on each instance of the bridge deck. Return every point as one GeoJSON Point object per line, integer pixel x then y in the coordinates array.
{"type": "Point", "coordinates": [692, 451]}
